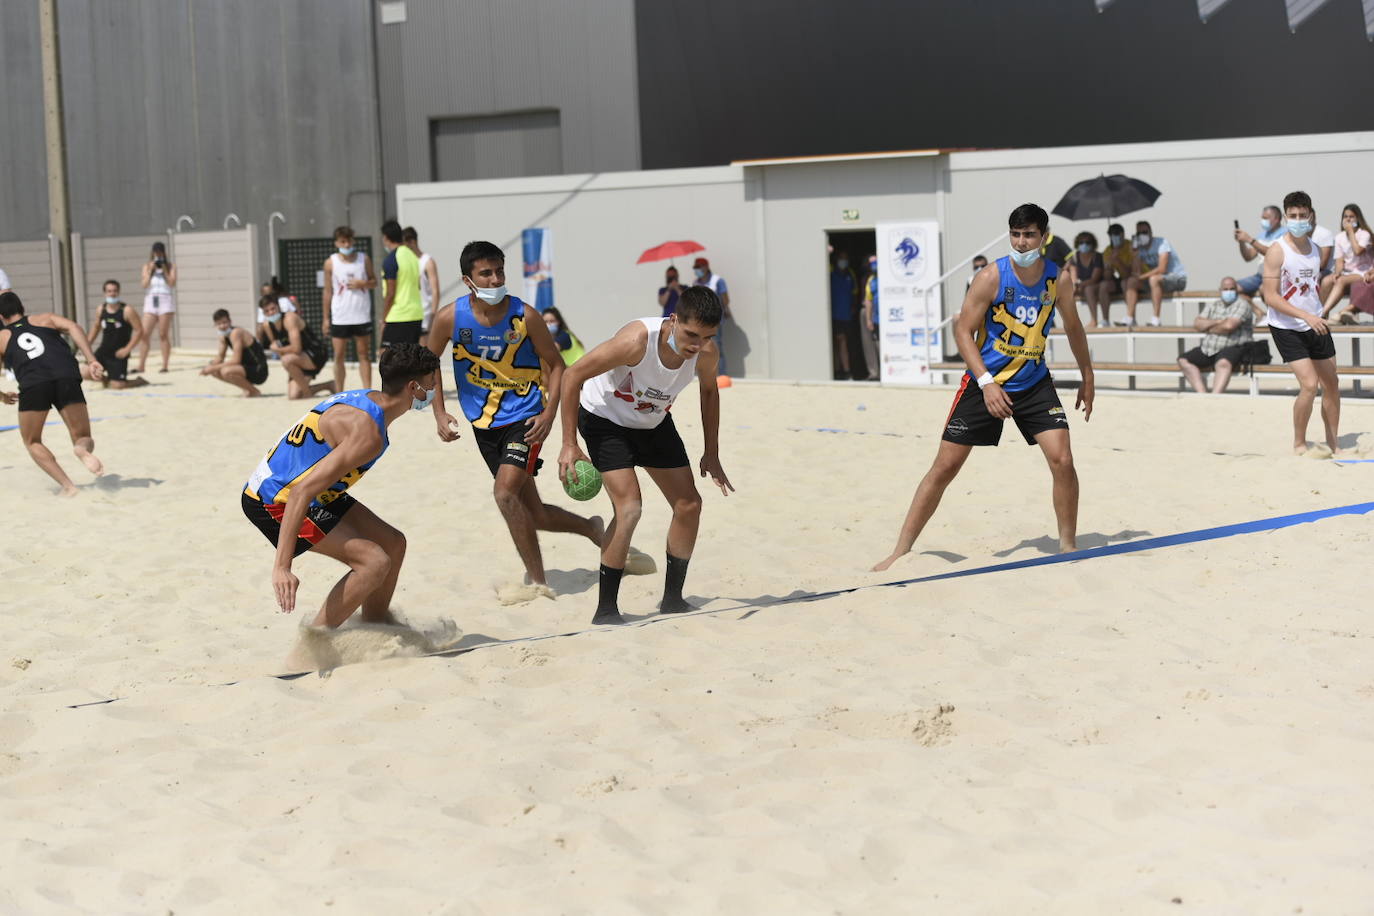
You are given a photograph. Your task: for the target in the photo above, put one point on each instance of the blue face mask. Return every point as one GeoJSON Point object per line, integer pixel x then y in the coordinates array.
{"type": "Point", "coordinates": [417, 404]}
{"type": "Point", "coordinates": [1299, 227]}
{"type": "Point", "coordinates": [1228, 296]}
{"type": "Point", "coordinates": [1025, 258]}
{"type": "Point", "coordinates": [274, 318]}
{"type": "Point", "coordinates": [346, 251]}
{"type": "Point", "coordinates": [111, 300]}
{"type": "Point", "coordinates": [553, 326]}
{"type": "Point", "coordinates": [672, 341]}
{"type": "Point", "coordinates": [1265, 227]}
{"type": "Point", "coordinates": [1085, 248]}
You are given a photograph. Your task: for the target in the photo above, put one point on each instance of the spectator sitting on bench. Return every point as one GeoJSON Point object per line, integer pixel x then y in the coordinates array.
{"type": "Point", "coordinates": [1118, 263]}
{"type": "Point", "coordinates": [1228, 323]}
{"type": "Point", "coordinates": [1086, 267]}
{"type": "Point", "coordinates": [1157, 267]}
{"type": "Point", "coordinates": [1254, 246]}
{"type": "Point", "coordinates": [1354, 258]}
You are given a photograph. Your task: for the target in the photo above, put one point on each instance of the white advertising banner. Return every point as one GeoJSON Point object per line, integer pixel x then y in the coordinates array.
{"type": "Point", "coordinates": [908, 263]}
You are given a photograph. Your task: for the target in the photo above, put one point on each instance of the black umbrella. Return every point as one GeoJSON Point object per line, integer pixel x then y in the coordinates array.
{"type": "Point", "coordinates": [1104, 197]}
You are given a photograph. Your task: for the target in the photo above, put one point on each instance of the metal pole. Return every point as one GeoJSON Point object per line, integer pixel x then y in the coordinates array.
{"type": "Point", "coordinates": [59, 220]}
{"type": "Point", "coordinates": [272, 239]}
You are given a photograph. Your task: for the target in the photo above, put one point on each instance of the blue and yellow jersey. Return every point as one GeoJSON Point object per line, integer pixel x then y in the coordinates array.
{"type": "Point", "coordinates": [1012, 338]}
{"type": "Point", "coordinates": [495, 368]}
{"type": "Point", "coordinates": [304, 447]}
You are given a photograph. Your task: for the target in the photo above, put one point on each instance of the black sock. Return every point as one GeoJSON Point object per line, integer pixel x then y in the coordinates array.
{"type": "Point", "coordinates": [673, 579]}
{"type": "Point", "coordinates": [608, 602]}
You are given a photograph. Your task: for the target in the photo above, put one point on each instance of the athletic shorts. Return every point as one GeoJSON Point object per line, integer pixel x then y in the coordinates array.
{"type": "Point", "coordinates": [1035, 410]}
{"type": "Point", "coordinates": [350, 330]}
{"type": "Point", "coordinates": [158, 304]}
{"type": "Point", "coordinates": [1296, 345]}
{"type": "Point", "coordinates": [52, 394]}
{"type": "Point", "coordinates": [256, 374]}
{"type": "Point", "coordinates": [507, 445]}
{"type": "Point", "coordinates": [399, 332]}
{"type": "Point", "coordinates": [612, 446]}
{"type": "Point", "coordinates": [318, 358]}
{"type": "Point", "coordinates": [1235, 355]}
{"type": "Point", "coordinates": [116, 369]}
{"type": "Point", "coordinates": [318, 522]}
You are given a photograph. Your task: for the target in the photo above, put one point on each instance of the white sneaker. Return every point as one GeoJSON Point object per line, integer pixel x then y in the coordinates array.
{"type": "Point", "coordinates": [1154, 321]}
{"type": "Point", "coordinates": [1124, 322]}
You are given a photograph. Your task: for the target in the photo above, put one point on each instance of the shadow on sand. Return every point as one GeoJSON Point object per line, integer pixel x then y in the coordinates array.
{"type": "Point", "coordinates": [1050, 545]}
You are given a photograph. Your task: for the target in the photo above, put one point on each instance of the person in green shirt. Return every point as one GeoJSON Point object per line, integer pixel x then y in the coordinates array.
{"type": "Point", "coordinates": [402, 311]}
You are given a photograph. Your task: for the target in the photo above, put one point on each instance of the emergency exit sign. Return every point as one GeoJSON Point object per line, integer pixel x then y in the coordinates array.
{"type": "Point", "coordinates": [850, 216]}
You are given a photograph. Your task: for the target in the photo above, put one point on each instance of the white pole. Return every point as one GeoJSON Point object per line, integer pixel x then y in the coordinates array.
{"type": "Point", "coordinates": [272, 238]}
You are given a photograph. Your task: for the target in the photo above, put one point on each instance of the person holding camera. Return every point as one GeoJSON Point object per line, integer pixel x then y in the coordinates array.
{"type": "Point", "coordinates": [159, 305]}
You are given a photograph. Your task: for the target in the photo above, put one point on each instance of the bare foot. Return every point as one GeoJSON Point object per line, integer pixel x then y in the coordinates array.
{"type": "Point", "coordinates": [385, 617]}
{"type": "Point", "coordinates": [68, 491]}
{"type": "Point", "coordinates": [598, 529]}
{"type": "Point", "coordinates": [1301, 450]}
{"type": "Point", "coordinates": [884, 564]}
{"type": "Point", "coordinates": [253, 393]}
{"type": "Point", "coordinates": [1068, 547]}
{"type": "Point", "coordinates": [91, 462]}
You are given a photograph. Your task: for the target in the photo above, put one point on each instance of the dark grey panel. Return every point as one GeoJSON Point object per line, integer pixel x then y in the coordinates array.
{"type": "Point", "coordinates": [722, 80]}
{"type": "Point", "coordinates": [496, 146]}
{"type": "Point", "coordinates": [23, 172]}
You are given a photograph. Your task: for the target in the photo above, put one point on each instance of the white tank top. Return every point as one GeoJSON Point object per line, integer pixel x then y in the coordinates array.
{"type": "Point", "coordinates": [349, 306]}
{"type": "Point", "coordinates": [1300, 284]}
{"type": "Point", "coordinates": [426, 291]}
{"type": "Point", "coordinates": [638, 396]}
{"type": "Point", "coordinates": [158, 285]}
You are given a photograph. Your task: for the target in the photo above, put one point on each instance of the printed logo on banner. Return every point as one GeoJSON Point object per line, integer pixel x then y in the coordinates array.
{"type": "Point", "coordinates": [896, 313]}
{"type": "Point", "coordinates": [895, 335]}
{"type": "Point", "coordinates": [918, 337]}
{"type": "Point", "coordinates": [905, 255]}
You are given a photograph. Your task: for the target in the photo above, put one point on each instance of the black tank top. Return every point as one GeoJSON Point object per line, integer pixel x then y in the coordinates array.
{"type": "Point", "coordinates": [310, 344]}
{"type": "Point", "coordinates": [254, 359]}
{"type": "Point", "coordinates": [38, 354]}
{"type": "Point", "coordinates": [114, 330]}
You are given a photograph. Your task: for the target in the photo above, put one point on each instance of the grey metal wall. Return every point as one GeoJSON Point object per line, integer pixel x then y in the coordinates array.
{"type": "Point", "coordinates": [202, 107]}
{"type": "Point", "coordinates": [488, 57]}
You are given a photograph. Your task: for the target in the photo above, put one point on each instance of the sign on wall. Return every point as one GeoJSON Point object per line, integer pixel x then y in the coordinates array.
{"type": "Point", "coordinates": [537, 247]}
{"type": "Point", "coordinates": [908, 263]}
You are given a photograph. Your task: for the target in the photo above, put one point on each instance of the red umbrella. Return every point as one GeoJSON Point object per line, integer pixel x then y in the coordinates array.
{"type": "Point", "coordinates": [669, 250]}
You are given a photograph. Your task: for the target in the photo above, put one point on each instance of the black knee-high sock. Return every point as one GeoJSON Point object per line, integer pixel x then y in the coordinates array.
{"type": "Point", "coordinates": [608, 600]}
{"type": "Point", "coordinates": [673, 579]}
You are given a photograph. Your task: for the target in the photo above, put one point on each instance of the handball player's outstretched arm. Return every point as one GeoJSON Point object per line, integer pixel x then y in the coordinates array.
{"type": "Point", "coordinates": [552, 366]}
{"type": "Point", "coordinates": [624, 349]}
{"type": "Point", "coordinates": [708, 364]}
{"type": "Point", "coordinates": [440, 337]}
{"type": "Point", "coordinates": [1078, 343]}
{"type": "Point", "coordinates": [354, 441]}
{"type": "Point", "coordinates": [977, 301]}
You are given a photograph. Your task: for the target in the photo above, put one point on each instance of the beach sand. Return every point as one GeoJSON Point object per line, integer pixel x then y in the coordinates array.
{"type": "Point", "coordinates": [1184, 729]}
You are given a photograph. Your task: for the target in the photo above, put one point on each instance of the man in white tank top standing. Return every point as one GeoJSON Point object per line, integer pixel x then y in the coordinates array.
{"type": "Point", "coordinates": [1292, 282]}
{"type": "Point", "coordinates": [348, 277]}
{"type": "Point", "coordinates": [625, 388]}
{"type": "Point", "coordinates": [429, 281]}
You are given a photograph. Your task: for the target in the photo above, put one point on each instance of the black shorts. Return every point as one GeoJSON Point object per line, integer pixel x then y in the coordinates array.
{"type": "Point", "coordinates": [507, 445]}
{"type": "Point", "coordinates": [116, 369]}
{"type": "Point", "coordinates": [1035, 410]}
{"type": "Point", "coordinates": [50, 394]}
{"type": "Point", "coordinates": [1296, 345]}
{"type": "Point", "coordinates": [350, 330]}
{"type": "Point", "coordinates": [1235, 355]}
{"type": "Point", "coordinates": [612, 446]}
{"type": "Point", "coordinates": [318, 358]}
{"type": "Point", "coordinates": [318, 522]}
{"type": "Point", "coordinates": [399, 332]}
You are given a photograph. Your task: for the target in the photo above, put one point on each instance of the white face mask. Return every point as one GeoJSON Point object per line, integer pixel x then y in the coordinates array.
{"type": "Point", "coordinates": [111, 300]}
{"type": "Point", "coordinates": [1142, 240]}
{"type": "Point", "coordinates": [225, 332]}
{"type": "Point", "coordinates": [672, 340]}
{"type": "Point", "coordinates": [346, 251]}
{"type": "Point", "coordinates": [417, 404]}
{"type": "Point", "coordinates": [490, 296]}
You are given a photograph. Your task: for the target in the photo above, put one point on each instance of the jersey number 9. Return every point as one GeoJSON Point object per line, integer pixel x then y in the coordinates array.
{"type": "Point", "coordinates": [31, 344]}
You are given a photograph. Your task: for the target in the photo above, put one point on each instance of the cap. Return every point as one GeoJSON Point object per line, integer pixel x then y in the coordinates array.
{"type": "Point", "coordinates": [701, 262]}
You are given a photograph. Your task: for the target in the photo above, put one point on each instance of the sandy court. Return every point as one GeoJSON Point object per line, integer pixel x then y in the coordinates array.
{"type": "Point", "coordinates": [1118, 734]}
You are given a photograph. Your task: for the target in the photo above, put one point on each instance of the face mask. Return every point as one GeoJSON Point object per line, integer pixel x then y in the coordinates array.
{"type": "Point", "coordinates": [225, 332]}
{"type": "Point", "coordinates": [672, 341]}
{"type": "Point", "coordinates": [699, 271]}
{"type": "Point", "coordinates": [1116, 239]}
{"type": "Point", "coordinates": [1265, 226]}
{"type": "Point", "coordinates": [274, 318]}
{"type": "Point", "coordinates": [1085, 248]}
{"type": "Point", "coordinates": [1228, 296]}
{"type": "Point", "coordinates": [111, 300]}
{"type": "Point", "coordinates": [553, 327]}
{"type": "Point", "coordinates": [842, 264]}
{"type": "Point", "coordinates": [1299, 227]}
{"type": "Point", "coordinates": [418, 404]}
{"type": "Point", "coordinates": [978, 267]}
{"type": "Point", "coordinates": [490, 296]}
{"type": "Point", "coordinates": [346, 251]}
{"type": "Point", "coordinates": [1142, 240]}
{"type": "Point", "coordinates": [1025, 258]}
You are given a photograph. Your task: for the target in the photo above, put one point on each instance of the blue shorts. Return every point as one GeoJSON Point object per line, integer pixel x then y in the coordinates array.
{"type": "Point", "coordinates": [1250, 285]}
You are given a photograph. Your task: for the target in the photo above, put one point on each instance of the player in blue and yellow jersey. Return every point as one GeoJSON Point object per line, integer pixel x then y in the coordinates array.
{"type": "Point", "coordinates": [1001, 332]}
{"type": "Point", "coordinates": [299, 495]}
{"type": "Point", "coordinates": [508, 373]}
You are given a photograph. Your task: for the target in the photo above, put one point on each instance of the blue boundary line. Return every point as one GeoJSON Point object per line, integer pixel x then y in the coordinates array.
{"type": "Point", "coordinates": [1274, 523]}
{"type": "Point", "coordinates": [135, 416]}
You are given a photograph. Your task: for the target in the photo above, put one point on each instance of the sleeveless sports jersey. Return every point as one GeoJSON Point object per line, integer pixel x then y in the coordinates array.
{"type": "Point", "coordinates": [38, 354]}
{"type": "Point", "coordinates": [426, 291]}
{"type": "Point", "coordinates": [1012, 338]}
{"type": "Point", "coordinates": [114, 330]}
{"type": "Point", "coordinates": [495, 368]}
{"type": "Point", "coordinates": [304, 447]}
{"type": "Point", "coordinates": [1299, 283]}
{"type": "Point", "coordinates": [254, 358]}
{"type": "Point", "coordinates": [639, 396]}
{"type": "Point", "coordinates": [311, 345]}
{"type": "Point", "coordinates": [349, 306]}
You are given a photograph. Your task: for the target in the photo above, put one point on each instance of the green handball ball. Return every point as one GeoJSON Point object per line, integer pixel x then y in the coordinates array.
{"type": "Point", "coordinates": [588, 482]}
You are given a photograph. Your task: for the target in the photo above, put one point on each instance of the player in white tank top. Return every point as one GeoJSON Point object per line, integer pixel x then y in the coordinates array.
{"type": "Point", "coordinates": [625, 389]}
{"type": "Point", "coordinates": [1292, 290]}
{"type": "Point", "coordinates": [348, 281]}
